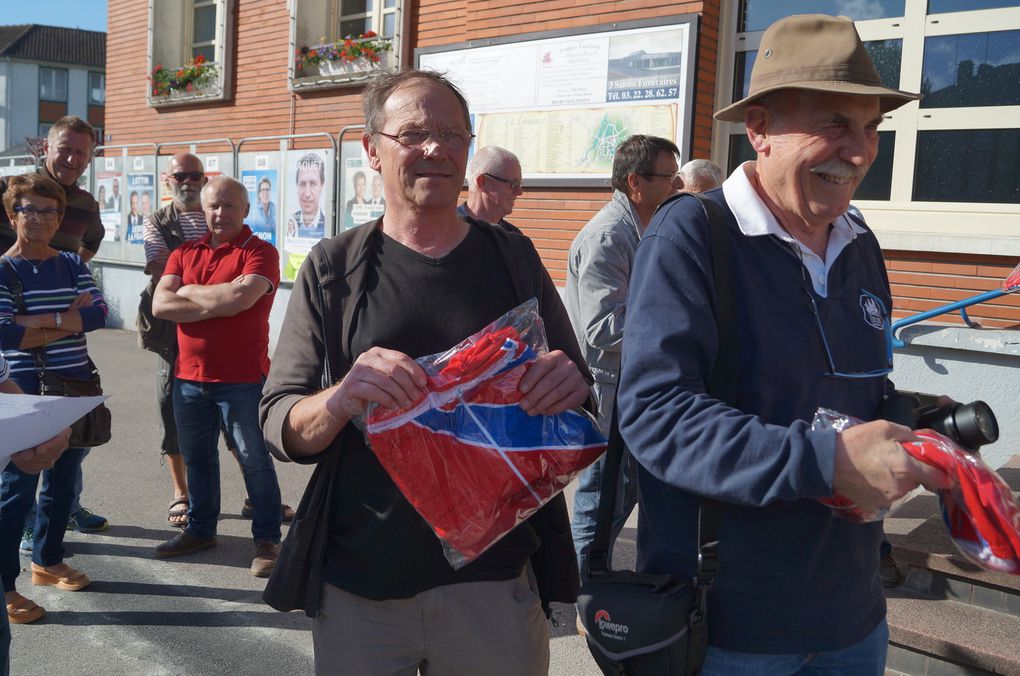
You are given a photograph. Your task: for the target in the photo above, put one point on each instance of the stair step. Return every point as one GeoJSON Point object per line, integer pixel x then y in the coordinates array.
{"type": "Point", "coordinates": [946, 631]}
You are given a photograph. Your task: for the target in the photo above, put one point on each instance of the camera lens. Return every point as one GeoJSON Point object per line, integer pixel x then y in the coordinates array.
{"type": "Point", "coordinates": [971, 425]}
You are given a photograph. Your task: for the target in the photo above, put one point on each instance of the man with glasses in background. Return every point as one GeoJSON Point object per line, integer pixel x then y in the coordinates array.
{"type": "Point", "coordinates": [364, 306]}
{"type": "Point", "coordinates": [798, 587]}
{"type": "Point", "coordinates": [494, 184]}
{"type": "Point", "coordinates": [598, 269]}
{"type": "Point", "coordinates": [68, 151]}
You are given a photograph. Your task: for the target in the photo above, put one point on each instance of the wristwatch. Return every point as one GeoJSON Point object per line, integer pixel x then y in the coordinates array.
{"type": "Point", "coordinates": [56, 319]}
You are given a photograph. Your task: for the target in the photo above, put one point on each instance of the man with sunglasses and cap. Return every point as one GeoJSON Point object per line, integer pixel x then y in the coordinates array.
{"type": "Point", "coordinates": [494, 184]}
{"type": "Point", "coordinates": [798, 588]}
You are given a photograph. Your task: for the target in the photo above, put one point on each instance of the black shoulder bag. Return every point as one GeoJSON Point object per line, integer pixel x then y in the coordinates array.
{"type": "Point", "coordinates": [640, 624]}
{"type": "Point", "coordinates": [92, 429]}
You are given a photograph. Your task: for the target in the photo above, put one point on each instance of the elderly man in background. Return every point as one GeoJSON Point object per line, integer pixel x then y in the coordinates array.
{"type": "Point", "coordinates": [68, 149]}
{"type": "Point", "coordinates": [798, 588]}
{"type": "Point", "coordinates": [219, 289]}
{"type": "Point", "coordinates": [598, 270]}
{"type": "Point", "coordinates": [494, 184]}
{"type": "Point", "coordinates": [700, 176]}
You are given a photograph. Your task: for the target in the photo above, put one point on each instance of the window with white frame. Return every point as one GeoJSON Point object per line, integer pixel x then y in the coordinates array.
{"type": "Point", "coordinates": [189, 50]}
{"type": "Point", "coordinates": [344, 40]}
{"type": "Point", "coordinates": [947, 165]}
{"type": "Point", "coordinates": [53, 84]}
{"type": "Point", "coordinates": [97, 89]}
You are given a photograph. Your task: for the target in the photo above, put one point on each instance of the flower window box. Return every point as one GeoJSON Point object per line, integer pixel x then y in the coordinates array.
{"type": "Point", "coordinates": [190, 83]}
{"type": "Point", "coordinates": [347, 61]}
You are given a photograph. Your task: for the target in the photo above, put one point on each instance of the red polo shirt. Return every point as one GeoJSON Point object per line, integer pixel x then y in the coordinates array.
{"type": "Point", "coordinates": [226, 349]}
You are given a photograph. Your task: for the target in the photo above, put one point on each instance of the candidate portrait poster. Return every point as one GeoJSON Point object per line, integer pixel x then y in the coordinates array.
{"type": "Point", "coordinates": [263, 188]}
{"type": "Point", "coordinates": [108, 195]}
{"type": "Point", "coordinates": [307, 181]}
{"type": "Point", "coordinates": [141, 194]}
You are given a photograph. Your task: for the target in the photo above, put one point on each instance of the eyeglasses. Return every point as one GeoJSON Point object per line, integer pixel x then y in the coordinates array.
{"type": "Point", "coordinates": [515, 185]}
{"type": "Point", "coordinates": [180, 176]}
{"type": "Point", "coordinates": [32, 213]}
{"type": "Point", "coordinates": [671, 177]}
{"type": "Point", "coordinates": [871, 304]}
{"type": "Point", "coordinates": [418, 138]}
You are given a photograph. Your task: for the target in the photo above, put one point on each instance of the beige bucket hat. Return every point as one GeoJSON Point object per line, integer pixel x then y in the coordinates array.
{"type": "Point", "coordinates": [817, 52]}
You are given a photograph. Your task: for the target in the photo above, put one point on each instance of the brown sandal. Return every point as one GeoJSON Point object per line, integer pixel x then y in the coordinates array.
{"type": "Point", "coordinates": [23, 611]}
{"type": "Point", "coordinates": [178, 510]}
{"type": "Point", "coordinates": [67, 579]}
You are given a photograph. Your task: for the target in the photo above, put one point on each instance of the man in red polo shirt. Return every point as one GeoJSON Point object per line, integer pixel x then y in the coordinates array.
{"type": "Point", "coordinates": [219, 289]}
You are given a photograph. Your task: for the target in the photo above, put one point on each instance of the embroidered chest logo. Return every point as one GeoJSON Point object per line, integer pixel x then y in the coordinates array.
{"type": "Point", "coordinates": [872, 311]}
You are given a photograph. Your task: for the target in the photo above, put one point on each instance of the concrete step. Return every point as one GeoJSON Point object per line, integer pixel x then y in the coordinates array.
{"type": "Point", "coordinates": [942, 636]}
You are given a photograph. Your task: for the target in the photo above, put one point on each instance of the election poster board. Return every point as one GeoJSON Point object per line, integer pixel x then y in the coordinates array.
{"type": "Point", "coordinates": [563, 102]}
{"type": "Point", "coordinates": [141, 198]}
{"type": "Point", "coordinates": [361, 191]}
{"type": "Point", "coordinates": [263, 186]}
{"type": "Point", "coordinates": [109, 193]}
{"type": "Point", "coordinates": [307, 180]}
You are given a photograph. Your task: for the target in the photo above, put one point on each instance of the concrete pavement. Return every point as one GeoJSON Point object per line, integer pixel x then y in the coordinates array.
{"type": "Point", "coordinates": [199, 614]}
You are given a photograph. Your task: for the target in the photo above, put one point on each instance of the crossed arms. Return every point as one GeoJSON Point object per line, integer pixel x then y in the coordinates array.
{"type": "Point", "coordinates": [184, 303]}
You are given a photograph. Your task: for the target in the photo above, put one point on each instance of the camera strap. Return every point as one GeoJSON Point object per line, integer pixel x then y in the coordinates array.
{"type": "Point", "coordinates": [722, 385]}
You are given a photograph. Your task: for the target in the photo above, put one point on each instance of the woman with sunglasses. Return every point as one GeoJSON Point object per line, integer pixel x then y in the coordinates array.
{"type": "Point", "coordinates": [57, 304]}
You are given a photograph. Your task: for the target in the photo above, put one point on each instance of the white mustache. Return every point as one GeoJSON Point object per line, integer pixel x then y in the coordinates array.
{"type": "Point", "coordinates": [838, 169]}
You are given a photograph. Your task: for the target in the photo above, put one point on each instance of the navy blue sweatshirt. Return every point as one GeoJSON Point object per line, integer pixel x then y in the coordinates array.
{"type": "Point", "coordinates": [793, 577]}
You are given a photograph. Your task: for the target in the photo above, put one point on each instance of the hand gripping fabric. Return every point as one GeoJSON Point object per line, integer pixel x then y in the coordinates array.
{"type": "Point", "coordinates": [979, 510]}
{"type": "Point", "coordinates": [466, 455]}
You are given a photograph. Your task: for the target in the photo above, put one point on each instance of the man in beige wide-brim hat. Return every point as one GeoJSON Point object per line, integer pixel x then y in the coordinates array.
{"type": "Point", "coordinates": [798, 586]}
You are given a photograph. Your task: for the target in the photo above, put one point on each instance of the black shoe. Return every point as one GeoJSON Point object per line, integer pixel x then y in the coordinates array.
{"type": "Point", "coordinates": [889, 572]}
{"type": "Point", "coordinates": [183, 543]}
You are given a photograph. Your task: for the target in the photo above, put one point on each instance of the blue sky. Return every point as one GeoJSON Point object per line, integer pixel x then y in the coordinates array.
{"type": "Point", "coordinates": [88, 14]}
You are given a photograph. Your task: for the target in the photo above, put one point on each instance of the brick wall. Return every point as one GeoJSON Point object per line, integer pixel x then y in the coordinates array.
{"type": "Point", "coordinates": [923, 281]}
{"type": "Point", "coordinates": [263, 105]}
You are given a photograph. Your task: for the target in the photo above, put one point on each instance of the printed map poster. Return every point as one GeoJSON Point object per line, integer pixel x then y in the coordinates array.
{"type": "Point", "coordinates": [140, 194]}
{"type": "Point", "coordinates": [263, 188]}
{"type": "Point", "coordinates": [563, 104]}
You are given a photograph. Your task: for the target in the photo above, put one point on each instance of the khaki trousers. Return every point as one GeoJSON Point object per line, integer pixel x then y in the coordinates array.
{"type": "Point", "coordinates": [469, 629]}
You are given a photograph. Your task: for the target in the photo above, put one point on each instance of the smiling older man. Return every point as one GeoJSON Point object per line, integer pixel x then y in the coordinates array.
{"type": "Point", "coordinates": [367, 304]}
{"type": "Point", "coordinates": [798, 588]}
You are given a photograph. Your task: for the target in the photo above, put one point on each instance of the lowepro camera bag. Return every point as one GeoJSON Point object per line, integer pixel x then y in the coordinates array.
{"type": "Point", "coordinates": [640, 624]}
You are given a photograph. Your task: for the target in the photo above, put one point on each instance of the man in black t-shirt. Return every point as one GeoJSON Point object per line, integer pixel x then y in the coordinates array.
{"type": "Point", "coordinates": [424, 279]}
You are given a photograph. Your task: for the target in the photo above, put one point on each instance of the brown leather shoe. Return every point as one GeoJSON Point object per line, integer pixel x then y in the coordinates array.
{"type": "Point", "coordinates": [265, 558]}
{"type": "Point", "coordinates": [183, 543]}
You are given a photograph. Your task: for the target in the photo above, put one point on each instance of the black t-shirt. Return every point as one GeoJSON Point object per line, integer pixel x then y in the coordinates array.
{"type": "Point", "coordinates": [379, 547]}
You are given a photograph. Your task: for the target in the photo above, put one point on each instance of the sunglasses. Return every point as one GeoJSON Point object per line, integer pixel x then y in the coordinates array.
{"type": "Point", "coordinates": [515, 185]}
{"type": "Point", "coordinates": [181, 176]}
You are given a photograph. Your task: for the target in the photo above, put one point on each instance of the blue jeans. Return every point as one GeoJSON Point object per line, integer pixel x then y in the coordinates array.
{"type": "Point", "coordinates": [75, 504]}
{"type": "Point", "coordinates": [861, 659]}
{"type": "Point", "coordinates": [586, 505]}
{"type": "Point", "coordinates": [17, 496]}
{"type": "Point", "coordinates": [200, 409]}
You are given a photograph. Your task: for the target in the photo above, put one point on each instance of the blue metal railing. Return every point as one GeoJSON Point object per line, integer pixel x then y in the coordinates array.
{"type": "Point", "coordinates": [960, 305]}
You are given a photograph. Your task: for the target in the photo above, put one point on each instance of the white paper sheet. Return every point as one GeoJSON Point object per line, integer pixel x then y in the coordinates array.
{"type": "Point", "coordinates": [27, 420]}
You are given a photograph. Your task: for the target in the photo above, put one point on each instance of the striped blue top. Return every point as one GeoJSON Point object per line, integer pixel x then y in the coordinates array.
{"type": "Point", "coordinates": [49, 288]}
{"type": "Point", "coordinates": [5, 370]}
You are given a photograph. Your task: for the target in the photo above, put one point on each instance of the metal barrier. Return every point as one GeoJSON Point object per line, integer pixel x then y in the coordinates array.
{"type": "Point", "coordinates": [960, 305]}
{"type": "Point", "coordinates": [14, 165]}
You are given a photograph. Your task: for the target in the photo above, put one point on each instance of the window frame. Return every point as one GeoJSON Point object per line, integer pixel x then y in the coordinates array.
{"type": "Point", "coordinates": [178, 41]}
{"type": "Point", "coordinates": [55, 71]}
{"type": "Point", "coordinates": [334, 17]}
{"type": "Point", "coordinates": [900, 222]}
{"type": "Point", "coordinates": [92, 101]}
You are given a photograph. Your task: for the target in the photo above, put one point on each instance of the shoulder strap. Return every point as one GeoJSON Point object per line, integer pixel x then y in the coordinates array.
{"type": "Point", "coordinates": [722, 385]}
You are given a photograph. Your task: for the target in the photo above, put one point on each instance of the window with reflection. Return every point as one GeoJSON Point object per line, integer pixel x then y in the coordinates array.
{"type": "Point", "coordinates": [342, 39]}
{"type": "Point", "coordinates": [886, 55]}
{"type": "Point", "coordinates": [973, 69]}
{"type": "Point", "coordinates": [968, 165]}
{"type": "Point", "coordinates": [757, 15]}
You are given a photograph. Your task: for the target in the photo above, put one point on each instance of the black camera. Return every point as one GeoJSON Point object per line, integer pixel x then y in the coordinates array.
{"type": "Point", "coordinates": [970, 425]}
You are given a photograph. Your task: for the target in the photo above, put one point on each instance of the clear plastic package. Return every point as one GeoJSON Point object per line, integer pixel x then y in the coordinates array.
{"type": "Point", "coordinates": [466, 456]}
{"type": "Point", "coordinates": [844, 508]}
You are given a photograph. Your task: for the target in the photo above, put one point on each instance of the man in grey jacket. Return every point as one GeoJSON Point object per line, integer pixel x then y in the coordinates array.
{"type": "Point", "coordinates": [644, 176]}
